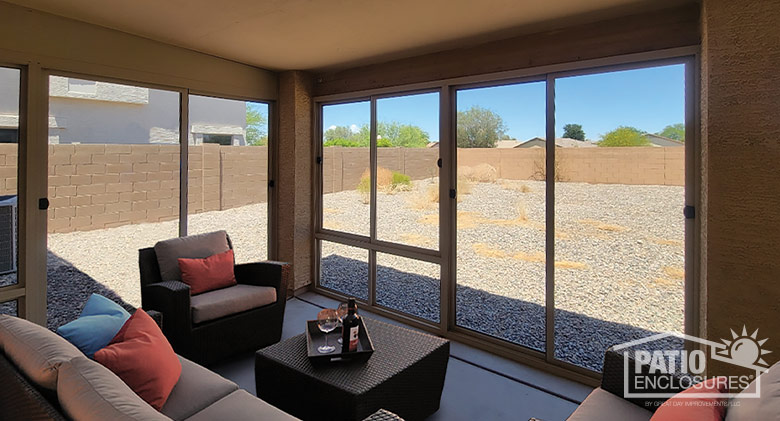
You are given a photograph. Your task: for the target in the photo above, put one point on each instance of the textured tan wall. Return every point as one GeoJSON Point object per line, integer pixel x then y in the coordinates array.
{"type": "Point", "coordinates": [741, 181]}
{"type": "Point", "coordinates": [343, 167]}
{"type": "Point", "coordinates": [295, 221]}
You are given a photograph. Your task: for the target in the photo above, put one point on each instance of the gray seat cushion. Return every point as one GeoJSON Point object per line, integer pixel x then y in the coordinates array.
{"type": "Point", "coordinates": [197, 388]}
{"type": "Point", "coordinates": [87, 391]}
{"type": "Point", "coordinates": [226, 301]}
{"type": "Point", "coordinates": [35, 350]}
{"type": "Point", "coordinates": [241, 406]}
{"type": "Point", "coordinates": [765, 407]}
{"type": "Point", "coordinates": [191, 247]}
{"type": "Point", "coordinates": [601, 405]}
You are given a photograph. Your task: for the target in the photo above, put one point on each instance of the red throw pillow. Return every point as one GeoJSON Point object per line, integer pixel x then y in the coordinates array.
{"type": "Point", "coordinates": [680, 407]}
{"type": "Point", "coordinates": [213, 272]}
{"type": "Point", "coordinates": [141, 356]}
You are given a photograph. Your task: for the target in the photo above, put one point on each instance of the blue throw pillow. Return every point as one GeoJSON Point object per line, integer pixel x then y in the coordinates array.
{"type": "Point", "coordinates": [99, 322]}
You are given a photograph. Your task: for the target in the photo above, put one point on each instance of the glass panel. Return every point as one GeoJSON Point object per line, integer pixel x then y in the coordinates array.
{"type": "Point", "coordinates": [501, 212]}
{"type": "Point", "coordinates": [408, 285]}
{"type": "Point", "coordinates": [9, 148]}
{"type": "Point", "coordinates": [344, 269]}
{"type": "Point", "coordinates": [10, 308]}
{"type": "Point", "coordinates": [346, 182]}
{"type": "Point", "coordinates": [228, 173]}
{"type": "Point", "coordinates": [113, 187]}
{"type": "Point", "coordinates": [620, 186]}
{"type": "Point", "coordinates": [407, 171]}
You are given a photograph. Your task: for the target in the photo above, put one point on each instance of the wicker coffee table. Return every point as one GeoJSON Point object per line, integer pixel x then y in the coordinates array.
{"type": "Point", "coordinates": [405, 375]}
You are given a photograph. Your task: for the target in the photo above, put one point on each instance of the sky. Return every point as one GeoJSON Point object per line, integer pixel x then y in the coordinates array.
{"type": "Point", "coordinates": [648, 99]}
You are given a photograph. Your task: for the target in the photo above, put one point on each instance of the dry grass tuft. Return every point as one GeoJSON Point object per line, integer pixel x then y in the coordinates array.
{"type": "Point", "coordinates": [427, 200]}
{"type": "Point", "coordinates": [331, 211]}
{"type": "Point", "coordinates": [665, 283]}
{"type": "Point", "coordinates": [603, 226]}
{"type": "Point", "coordinates": [464, 186]}
{"type": "Point", "coordinates": [567, 264]}
{"type": "Point", "coordinates": [665, 242]}
{"type": "Point", "coordinates": [674, 272]}
{"type": "Point", "coordinates": [537, 257]}
{"type": "Point", "coordinates": [485, 250]}
{"type": "Point", "coordinates": [417, 239]}
{"type": "Point", "coordinates": [332, 225]}
{"type": "Point", "coordinates": [481, 173]}
{"type": "Point", "coordinates": [515, 186]}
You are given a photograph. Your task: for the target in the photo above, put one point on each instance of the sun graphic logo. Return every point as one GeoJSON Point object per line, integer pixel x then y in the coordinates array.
{"type": "Point", "coordinates": [745, 350]}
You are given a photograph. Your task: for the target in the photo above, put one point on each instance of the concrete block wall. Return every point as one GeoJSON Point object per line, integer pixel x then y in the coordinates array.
{"type": "Point", "coordinates": [343, 167]}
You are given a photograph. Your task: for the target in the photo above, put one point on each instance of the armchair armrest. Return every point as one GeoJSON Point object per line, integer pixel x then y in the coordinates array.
{"type": "Point", "coordinates": [172, 299]}
{"type": "Point", "coordinates": [614, 377]}
{"type": "Point", "coordinates": [267, 273]}
{"type": "Point", "coordinates": [156, 316]}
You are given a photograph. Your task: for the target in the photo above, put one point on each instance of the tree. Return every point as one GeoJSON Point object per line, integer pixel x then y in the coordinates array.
{"type": "Point", "coordinates": [674, 131]}
{"type": "Point", "coordinates": [255, 127]}
{"type": "Point", "coordinates": [624, 136]}
{"type": "Point", "coordinates": [479, 128]}
{"type": "Point", "coordinates": [338, 132]}
{"type": "Point", "coordinates": [574, 131]}
{"type": "Point", "coordinates": [388, 135]}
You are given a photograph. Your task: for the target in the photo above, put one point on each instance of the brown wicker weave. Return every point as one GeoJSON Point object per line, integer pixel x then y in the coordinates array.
{"type": "Point", "coordinates": [404, 375]}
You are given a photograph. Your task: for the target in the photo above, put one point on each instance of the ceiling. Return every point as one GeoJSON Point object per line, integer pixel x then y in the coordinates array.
{"type": "Point", "coordinates": [331, 34]}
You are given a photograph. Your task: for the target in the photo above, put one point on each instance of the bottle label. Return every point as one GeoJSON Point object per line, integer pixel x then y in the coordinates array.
{"type": "Point", "coordinates": [353, 338]}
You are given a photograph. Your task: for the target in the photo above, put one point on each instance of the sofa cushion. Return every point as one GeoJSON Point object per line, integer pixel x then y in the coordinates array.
{"type": "Point", "coordinates": [191, 247]}
{"type": "Point", "coordinates": [35, 350]}
{"type": "Point", "coordinates": [197, 388]}
{"type": "Point", "coordinates": [240, 406]}
{"type": "Point", "coordinates": [141, 356]}
{"type": "Point", "coordinates": [99, 322]}
{"type": "Point", "coordinates": [604, 406]}
{"type": "Point", "coordinates": [88, 391]}
{"type": "Point", "coordinates": [683, 407]}
{"type": "Point", "coordinates": [765, 407]}
{"type": "Point", "coordinates": [213, 272]}
{"type": "Point", "coordinates": [224, 302]}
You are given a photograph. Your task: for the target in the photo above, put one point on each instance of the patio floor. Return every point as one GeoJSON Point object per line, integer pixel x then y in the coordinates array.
{"type": "Point", "coordinates": [478, 385]}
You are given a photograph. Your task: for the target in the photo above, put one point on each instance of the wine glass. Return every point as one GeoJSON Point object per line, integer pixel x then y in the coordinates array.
{"type": "Point", "coordinates": [341, 313]}
{"type": "Point", "coordinates": [327, 320]}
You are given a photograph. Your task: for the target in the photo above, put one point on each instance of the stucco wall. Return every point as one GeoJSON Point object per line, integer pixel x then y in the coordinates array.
{"type": "Point", "coordinates": [740, 178]}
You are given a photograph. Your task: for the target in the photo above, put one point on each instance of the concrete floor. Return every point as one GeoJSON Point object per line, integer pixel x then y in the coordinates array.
{"type": "Point", "coordinates": [478, 386]}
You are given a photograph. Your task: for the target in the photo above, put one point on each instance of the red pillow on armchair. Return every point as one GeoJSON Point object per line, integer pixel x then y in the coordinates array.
{"type": "Point", "coordinates": [213, 272]}
{"type": "Point", "coordinates": [707, 406]}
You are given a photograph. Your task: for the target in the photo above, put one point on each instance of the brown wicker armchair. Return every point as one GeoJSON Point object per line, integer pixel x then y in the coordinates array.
{"type": "Point", "coordinates": [206, 340]}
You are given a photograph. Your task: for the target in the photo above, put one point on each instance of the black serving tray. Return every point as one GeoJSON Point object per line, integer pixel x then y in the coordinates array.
{"type": "Point", "coordinates": [315, 338]}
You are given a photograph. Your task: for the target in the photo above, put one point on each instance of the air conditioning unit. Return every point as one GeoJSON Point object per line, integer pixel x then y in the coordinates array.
{"type": "Point", "coordinates": [8, 234]}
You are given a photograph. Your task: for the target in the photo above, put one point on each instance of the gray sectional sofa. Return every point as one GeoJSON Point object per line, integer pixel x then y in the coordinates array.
{"type": "Point", "coordinates": [44, 377]}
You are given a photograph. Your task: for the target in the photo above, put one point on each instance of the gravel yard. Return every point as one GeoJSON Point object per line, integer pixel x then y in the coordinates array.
{"type": "Point", "coordinates": [619, 259]}
{"type": "Point", "coordinates": [618, 271]}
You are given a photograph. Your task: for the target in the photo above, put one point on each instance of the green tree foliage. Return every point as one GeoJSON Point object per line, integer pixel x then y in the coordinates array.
{"type": "Point", "coordinates": [574, 131]}
{"type": "Point", "coordinates": [256, 122]}
{"type": "Point", "coordinates": [388, 135]}
{"type": "Point", "coordinates": [624, 136]}
{"type": "Point", "coordinates": [480, 128]}
{"type": "Point", "coordinates": [674, 131]}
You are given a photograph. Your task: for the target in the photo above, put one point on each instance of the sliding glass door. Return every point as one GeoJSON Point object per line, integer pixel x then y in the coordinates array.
{"type": "Point", "coordinates": [379, 204]}
{"type": "Point", "coordinates": [545, 218]}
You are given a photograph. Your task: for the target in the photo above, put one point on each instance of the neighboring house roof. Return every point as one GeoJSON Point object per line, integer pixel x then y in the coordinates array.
{"type": "Point", "coordinates": [433, 144]}
{"type": "Point", "coordinates": [658, 140]}
{"type": "Point", "coordinates": [508, 144]}
{"type": "Point", "coordinates": [561, 142]}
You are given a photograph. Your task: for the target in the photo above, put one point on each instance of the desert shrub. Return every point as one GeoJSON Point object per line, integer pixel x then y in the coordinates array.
{"type": "Point", "coordinates": [387, 182]}
{"type": "Point", "coordinates": [464, 186]}
{"type": "Point", "coordinates": [481, 173]}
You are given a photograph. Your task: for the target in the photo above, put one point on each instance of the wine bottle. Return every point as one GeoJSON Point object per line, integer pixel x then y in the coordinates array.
{"type": "Point", "coordinates": [350, 328]}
